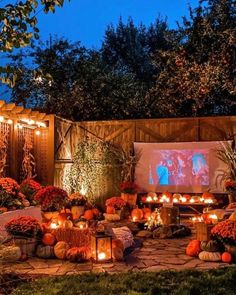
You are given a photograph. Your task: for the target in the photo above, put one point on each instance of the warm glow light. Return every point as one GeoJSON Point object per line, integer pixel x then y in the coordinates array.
{"type": "Point", "coordinates": [164, 199]}
{"type": "Point", "coordinates": [208, 201]}
{"type": "Point", "coordinates": [37, 132]}
{"type": "Point", "coordinates": [155, 198]}
{"type": "Point", "coordinates": [81, 226]}
{"type": "Point", "coordinates": [20, 126]}
{"type": "Point", "coordinates": [1, 118]}
{"type": "Point", "coordinates": [53, 225]}
{"type": "Point", "coordinates": [9, 121]}
{"type": "Point", "coordinates": [101, 256]}
{"type": "Point", "coordinates": [213, 218]}
{"type": "Point", "coordinates": [149, 199]}
{"type": "Point", "coordinates": [41, 124]}
{"type": "Point", "coordinates": [192, 201]}
{"type": "Point", "coordinates": [202, 199]}
{"type": "Point", "coordinates": [183, 199]}
{"type": "Point", "coordinates": [134, 218]}
{"type": "Point", "coordinates": [197, 219]}
{"type": "Point", "coordinates": [175, 200]}
{"type": "Point", "coordinates": [83, 190]}
{"type": "Point", "coordinates": [31, 122]}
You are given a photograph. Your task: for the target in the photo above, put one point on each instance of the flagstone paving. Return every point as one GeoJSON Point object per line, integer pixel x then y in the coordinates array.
{"type": "Point", "coordinates": [154, 255]}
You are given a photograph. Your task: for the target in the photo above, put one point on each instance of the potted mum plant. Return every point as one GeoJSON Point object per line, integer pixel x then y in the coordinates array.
{"type": "Point", "coordinates": [77, 203]}
{"type": "Point", "coordinates": [10, 196]}
{"type": "Point", "coordinates": [29, 188]}
{"type": "Point", "coordinates": [26, 232]}
{"type": "Point", "coordinates": [115, 205]}
{"type": "Point", "coordinates": [129, 193]}
{"type": "Point", "coordinates": [227, 154]}
{"type": "Point", "coordinates": [52, 199]}
{"type": "Point", "coordinates": [225, 233]}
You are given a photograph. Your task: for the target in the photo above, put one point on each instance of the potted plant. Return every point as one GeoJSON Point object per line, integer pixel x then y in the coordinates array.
{"type": "Point", "coordinates": [52, 199]}
{"type": "Point", "coordinates": [227, 154]}
{"type": "Point", "coordinates": [29, 188]}
{"type": "Point", "coordinates": [26, 232]}
{"type": "Point", "coordinates": [129, 193]}
{"type": "Point", "coordinates": [77, 203]}
{"type": "Point", "coordinates": [225, 233]}
{"type": "Point", "coordinates": [10, 196]}
{"type": "Point", "coordinates": [116, 203]}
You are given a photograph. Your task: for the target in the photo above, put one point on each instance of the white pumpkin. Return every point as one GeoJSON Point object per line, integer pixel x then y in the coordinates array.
{"type": "Point", "coordinates": [10, 253]}
{"type": "Point", "coordinates": [209, 256]}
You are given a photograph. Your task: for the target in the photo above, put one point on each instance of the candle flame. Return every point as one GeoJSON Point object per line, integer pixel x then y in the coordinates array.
{"type": "Point", "coordinates": [101, 256]}
{"type": "Point", "coordinates": [81, 226]}
{"type": "Point", "coordinates": [149, 199]}
{"type": "Point", "coordinates": [53, 225]}
{"type": "Point", "coordinates": [134, 218]}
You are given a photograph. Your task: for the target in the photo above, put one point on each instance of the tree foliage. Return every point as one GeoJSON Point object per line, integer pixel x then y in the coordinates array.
{"type": "Point", "coordinates": [18, 27]}
{"type": "Point", "coordinates": [139, 72]}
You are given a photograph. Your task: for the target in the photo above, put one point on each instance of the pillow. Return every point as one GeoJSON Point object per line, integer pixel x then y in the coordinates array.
{"type": "Point", "coordinates": [125, 235]}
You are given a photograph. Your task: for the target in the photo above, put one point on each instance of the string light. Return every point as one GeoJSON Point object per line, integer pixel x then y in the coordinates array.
{"type": "Point", "coordinates": [1, 118]}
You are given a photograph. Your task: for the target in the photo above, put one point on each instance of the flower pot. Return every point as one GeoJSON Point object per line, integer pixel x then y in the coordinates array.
{"type": "Point", "coordinates": [130, 199]}
{"type": "Point", "coordinates": [77, 211]}
{"type": "Point", "coordinates": [232, 251]}
{"type": "Point", "coordinates": [27, 245]}
{"type": "Point", "coordinates": [50, 215]}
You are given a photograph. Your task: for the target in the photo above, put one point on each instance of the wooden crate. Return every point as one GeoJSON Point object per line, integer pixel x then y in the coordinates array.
{"type": "Point", "coordinates": [170, 215]}
{"type": "Point", "coordinates": [203, 231]}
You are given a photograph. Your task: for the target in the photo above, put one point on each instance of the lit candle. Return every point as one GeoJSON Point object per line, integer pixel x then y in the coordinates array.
{"type": "Point", "coordinates": [208, 201]}
{"type": "Point", "coordinates": [213, 218]}
{"type": "Point", "coordinates": [175, 200]}
{"type": "Point", "coordinates": [81, 226]}
{"type": "Point", "coordinates": [155, 198]}
{"type": "Point", "coordinates": [191, 200]}
{"type": "Point", "coordinates": [53, 225]}
{"type": "Point", "coordinates": [202, 199]}
{"type": "Point", "coordinates": [183, 199]}
{"type": "Point", "coordinates": [101, 256]}
{"type": "Point", "coordinates": [149, 199]}
{"type": "Point", "coordinates": [134, 218]}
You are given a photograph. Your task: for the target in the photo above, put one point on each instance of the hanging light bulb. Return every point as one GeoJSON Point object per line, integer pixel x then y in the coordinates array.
{"type": "Point", "coordinates": [1, 118]}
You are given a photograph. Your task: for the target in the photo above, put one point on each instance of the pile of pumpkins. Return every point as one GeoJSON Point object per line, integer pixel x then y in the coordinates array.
{"type": "Point", "coordinates": [139, 214]}
{"type": "Point", "coordinates": [207, 251]}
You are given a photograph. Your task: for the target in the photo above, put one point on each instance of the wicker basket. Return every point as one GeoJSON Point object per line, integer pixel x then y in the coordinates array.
{"type": "Point", "coordinates": [27, 245]}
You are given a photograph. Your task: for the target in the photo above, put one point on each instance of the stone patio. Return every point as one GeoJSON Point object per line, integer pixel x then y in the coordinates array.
{"type": "Point", "coordinates": [154, 255]}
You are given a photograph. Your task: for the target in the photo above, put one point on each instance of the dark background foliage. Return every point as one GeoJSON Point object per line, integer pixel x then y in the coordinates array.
{"type": "Point", "coordinates": [139, 72]}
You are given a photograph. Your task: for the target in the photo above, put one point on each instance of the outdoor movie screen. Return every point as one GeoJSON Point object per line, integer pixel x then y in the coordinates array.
{"type": "Point", "coordinates": [187, 167]}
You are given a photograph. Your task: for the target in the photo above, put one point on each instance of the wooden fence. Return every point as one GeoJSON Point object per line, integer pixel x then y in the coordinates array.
{"type": "Point", "coordinates": [125, 132]}
{"type": "Point", "coordinates": [26, 143]}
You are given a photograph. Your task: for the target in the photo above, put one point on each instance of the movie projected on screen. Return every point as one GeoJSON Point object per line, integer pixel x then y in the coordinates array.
{"type": "Point", "coordinates": [185, 167]}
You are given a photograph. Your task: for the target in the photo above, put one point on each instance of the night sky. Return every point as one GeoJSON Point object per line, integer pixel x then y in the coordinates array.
{"type": "Point", "coordinates": [86, 20]}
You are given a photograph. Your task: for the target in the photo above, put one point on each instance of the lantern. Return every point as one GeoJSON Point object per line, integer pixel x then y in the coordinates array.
{"type": "Point", "coordinates": [101, 246]}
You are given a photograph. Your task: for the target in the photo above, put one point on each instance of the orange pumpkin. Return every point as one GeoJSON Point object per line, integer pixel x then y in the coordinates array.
{"type": "Point", "coordinates": [117, 243]}
{"type": "Point", "coordinates": [95, 211]}
{"type": "Point", "coordinates": [88, 214]}
{"type": "Point", "coordinates": [110, 210]}
{"type": "Point", "coordinates": [193, 248]}
{"type": "Point", "coordinates": [226, 257]}
{"type": "Point", "coordinates": [168, 195]}
{"type": "Point", "coordinates": [49, 239]}
{"type": "Point", "coordinates": [60, 249]}
{"type": "Point", "coordinates": [137, 213]}
{"type": "Point", "coordinates": [188, 197]}
{"type": "Point", "coordinates": [208, 195]}
{"type": "Point", "coordinates": [64, 215]}
{"type": "Point", "coordinates": [146, 213]}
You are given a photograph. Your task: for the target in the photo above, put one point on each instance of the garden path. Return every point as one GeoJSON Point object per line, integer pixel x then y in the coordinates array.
{"type": "Point", "coordinates": [154, 255]}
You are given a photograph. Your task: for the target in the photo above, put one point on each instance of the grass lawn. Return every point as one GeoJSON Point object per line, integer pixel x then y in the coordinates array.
{"type": "Point", "coordinates": [219, 281]}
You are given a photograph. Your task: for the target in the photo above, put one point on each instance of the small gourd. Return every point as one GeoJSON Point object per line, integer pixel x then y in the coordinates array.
{"type": "Point", "coordinates": [43, 251]}
{"type": "Point", "coordinates": [210, 246]}
{"type": "Point", "coordinates": [60, 249]}
{"type": "Point", "coordinates": [226, 257]}
{"type": "Point", "coordinates": [10, 253]}
{"type": "Point", "coordinates": [210, 256]}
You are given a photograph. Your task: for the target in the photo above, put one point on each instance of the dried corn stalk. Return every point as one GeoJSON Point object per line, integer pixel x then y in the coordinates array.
{"type": "Point", "coordinates": [28, 163]}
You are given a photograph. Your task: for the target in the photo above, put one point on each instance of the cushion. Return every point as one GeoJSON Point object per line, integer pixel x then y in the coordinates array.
{"type": "Point", "coordinates": [125, 235]}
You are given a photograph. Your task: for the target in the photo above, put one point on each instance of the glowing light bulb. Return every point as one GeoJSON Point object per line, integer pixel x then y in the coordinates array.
{"type": "Point", "coordinates": [192, 200]}
{"type": "Point", "coordinates": [37, 132]}
{"type": "Point", "coordinates": [9, 121]}
{"type": "Point", "coordinates": [175, 200]}
{"type": "Point", "coordinates": [81, 226]}
{"type": "Point", "coordinates": [53, 225]}
{"type": "Point", "coordinates": [1, 118]}
{"type": "Point", "coordinates": [134, 218]}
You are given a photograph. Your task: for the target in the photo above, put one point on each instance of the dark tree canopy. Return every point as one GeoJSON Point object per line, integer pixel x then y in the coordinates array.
{"type": "Point", "coordinates": [139, 72]}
